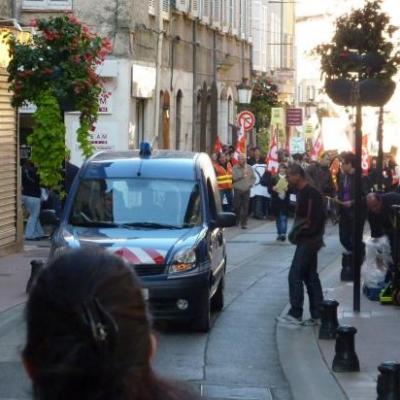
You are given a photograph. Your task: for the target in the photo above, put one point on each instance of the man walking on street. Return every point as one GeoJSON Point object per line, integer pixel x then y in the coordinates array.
{"type": "Point", "coordinates": [243, 179]}
{"type": "Point", "coordinates": [307, 233]}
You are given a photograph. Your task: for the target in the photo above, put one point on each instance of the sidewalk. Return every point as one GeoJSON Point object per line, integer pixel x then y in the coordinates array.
{"type": "Point", "coordinates": [307, 361]}
{"type": "Point", "coordinates": [15, 271]}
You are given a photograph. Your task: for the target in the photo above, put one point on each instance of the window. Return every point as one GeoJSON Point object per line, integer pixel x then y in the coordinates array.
{"type": "Point", "coordinates": [137, 202]}
{"type": "Point", "coordinates": [47, 4]}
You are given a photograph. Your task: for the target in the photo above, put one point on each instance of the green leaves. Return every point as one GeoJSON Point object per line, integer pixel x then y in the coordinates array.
{"type": "Point", "coordinates": [59, 64]}
{"type": "Point", "coordinates": [361, 33]}
{"type": "Point", "coordinates": [47, 140]}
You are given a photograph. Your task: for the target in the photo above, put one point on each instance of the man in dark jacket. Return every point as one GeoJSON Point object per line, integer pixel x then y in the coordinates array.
{"type": "Point", "coordinates": [380, 215]}
{"type": "Point", "coordinates": [309, 240]}
{"type": "Point", "coordinates": [346, 196]}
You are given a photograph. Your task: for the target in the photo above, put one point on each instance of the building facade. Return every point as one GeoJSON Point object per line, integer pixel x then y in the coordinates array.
{"type": "Point", "coordinates": [273, 33]}
{"type": "Point", "coordinates": [172, 76]}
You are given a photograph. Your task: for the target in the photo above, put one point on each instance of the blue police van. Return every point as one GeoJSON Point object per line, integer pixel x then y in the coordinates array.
{"type": "Point", "coordinates": [161, 211]}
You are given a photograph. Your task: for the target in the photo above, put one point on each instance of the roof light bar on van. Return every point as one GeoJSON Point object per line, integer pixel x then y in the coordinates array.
{"type": "Point", "coordinates": [145, 149]}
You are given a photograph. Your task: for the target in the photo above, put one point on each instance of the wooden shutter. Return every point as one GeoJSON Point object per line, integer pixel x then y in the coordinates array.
{"type": "Point", "coordinates": [152, 7]}
{"type": "Point", "coordinates": [165, 8]}
{"type": "Point", "coordinates": [8, 166]}
{"type": "Point", "coordinates": [216, 17]}
{"type": "Point", "coordinates": [205, 14]}
{"type": "Point", "coordinates": [182, 5]}
{"type": "Point", "coordinates": [194, 8]}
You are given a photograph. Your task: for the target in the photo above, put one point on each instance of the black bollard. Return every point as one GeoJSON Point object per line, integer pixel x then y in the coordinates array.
{"type": "Point", "coordinates": [329, 320]}
{"type": "Point", "coordinates": [346, 274]}
{"type": "Point", "coordinates": [36, 268]}
{"type": "Point", "coordinates": [388, 385]}
{"type": "Point", "coordinates": [346, 359]}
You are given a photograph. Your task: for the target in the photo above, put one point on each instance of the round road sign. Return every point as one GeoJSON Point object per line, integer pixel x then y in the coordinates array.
{"type": "Point", "coordinates": [246, 119]}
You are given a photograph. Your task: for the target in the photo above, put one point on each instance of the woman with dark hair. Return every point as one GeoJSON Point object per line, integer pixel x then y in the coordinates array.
{"type": "Point", "coordinates": [88, 333]}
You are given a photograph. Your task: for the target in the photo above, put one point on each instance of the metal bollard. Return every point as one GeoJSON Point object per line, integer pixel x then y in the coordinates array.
{"type": "Point", "coordinates": [329, 320]}
{"type": "Point", "coordinates": [388, 385]}
{"type": "Point", "coordinates": [345, 359]}
{"type": "Point", "coordinates": [36, 267]}
{"type": "Point", "coordinates": [346, 274]}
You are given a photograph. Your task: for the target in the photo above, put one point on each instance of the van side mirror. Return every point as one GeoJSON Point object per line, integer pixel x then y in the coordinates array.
{"type": "Point", "coordinates": [225, 220]}
{"type": "Point", "coordinates": [49, 217]}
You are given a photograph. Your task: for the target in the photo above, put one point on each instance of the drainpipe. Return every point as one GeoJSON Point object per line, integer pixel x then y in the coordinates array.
{"type": "Point", "coordinates": [160, 34]}
{"type": "Point", "coordinates": [194, 100]}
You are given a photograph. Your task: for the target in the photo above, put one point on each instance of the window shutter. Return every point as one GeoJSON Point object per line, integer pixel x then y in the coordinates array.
{"type": "Point", "coordinates": [194, 8]}
{"type": "Point", "coordinates": [152, 7]}
{"type": "Point", "coordinates": [182, 5]}
{"type": "Point", "coordinates": [216, 17]}
{"type": "Point", "coordinates": [205, 15]}
{"type": "Point", "coordinates": [165, 8]}
{"type": "Point", "coordinates": [248, 20]}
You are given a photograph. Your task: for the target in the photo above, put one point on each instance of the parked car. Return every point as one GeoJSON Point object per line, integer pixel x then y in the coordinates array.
{"type": "Point", "coordinates": [161, 212]}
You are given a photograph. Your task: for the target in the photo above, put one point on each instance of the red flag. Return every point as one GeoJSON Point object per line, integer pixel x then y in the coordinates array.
{"type": "Point", "coordinates": [217, 146]}
{"type": "Point", "coordinates": [365, 161]}
{"type": "Point", "coordinates": [240, 145]}
{"type": "Point", "coordinates": [272, 158]}
{"type": "Point", "coordinates": [318, 148]}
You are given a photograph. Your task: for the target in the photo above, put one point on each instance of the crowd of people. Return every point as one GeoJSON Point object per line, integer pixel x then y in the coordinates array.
{"type": "Point", "coordinates": [249, 187]}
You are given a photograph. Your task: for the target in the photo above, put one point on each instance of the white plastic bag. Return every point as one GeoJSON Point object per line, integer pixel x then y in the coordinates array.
{"type": "Point", "coordinates": [377, 259]}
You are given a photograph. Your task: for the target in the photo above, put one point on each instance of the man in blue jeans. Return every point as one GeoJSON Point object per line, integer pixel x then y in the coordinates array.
{"type": "Point", "coordinates": [310, 217]}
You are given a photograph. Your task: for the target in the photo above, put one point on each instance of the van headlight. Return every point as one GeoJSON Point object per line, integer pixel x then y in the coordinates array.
{"type": "Point", "coordinates": [183, 261]}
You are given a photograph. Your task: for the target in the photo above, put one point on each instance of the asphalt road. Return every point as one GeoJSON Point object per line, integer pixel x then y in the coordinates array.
{"type": "Point", "coordinates": [238, 358]}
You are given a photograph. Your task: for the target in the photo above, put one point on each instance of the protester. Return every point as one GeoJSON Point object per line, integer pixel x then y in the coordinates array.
{"type": "Point", "coordinates": [243, 179]}
{"type": "Point", "coordinates": [223, 170]}
{"type": "Point", "coordinates": [319, 174]}
{"type": "Point", "coordinates": [346, 197]}
{"type": "Point", "coordinates": [257, 158]}
{"type": "Point", "coordinates": [380, 215]}
{"type": "Point", "coordinates": [280, 199]}
{"type": "Point", "coordinates": [88, 333]}
{"type": "Point", "coordinates": [307, 233]}
{"type": "Point", "coordinates": [259, 193]}
{"type": "Point", "coordinates": [31, 198]}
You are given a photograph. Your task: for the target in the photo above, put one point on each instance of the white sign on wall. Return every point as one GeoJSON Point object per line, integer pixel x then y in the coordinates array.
{"type": "Point", "coordinates": [103, 138]}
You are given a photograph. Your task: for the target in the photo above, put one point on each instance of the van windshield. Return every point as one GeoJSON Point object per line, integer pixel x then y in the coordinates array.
{"type": "Point", "coordinates": [137, 202]}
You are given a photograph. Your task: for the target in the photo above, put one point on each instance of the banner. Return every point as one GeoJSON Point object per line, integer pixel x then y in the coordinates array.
{"type": "Point", "coordinates": [277, 116]}
{"type": "Point", "coordinates": [217, 146]}
{"type": "Point", "coordinates": [297, 145]}
{"type": "Point", "coordinates": [272, 158]}
{"type": "Point", "coordinates": [318, 148]}
{"type": "Point", "coordinates": [240, 145]}
{"type": "Point", "coordinates": [365, 160]}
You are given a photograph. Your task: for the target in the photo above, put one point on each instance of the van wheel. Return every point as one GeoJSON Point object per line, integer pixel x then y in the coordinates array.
{"type": "Point", "coordinates": [217, 301]}
{"type": "Point", "coordinates": [203, 322]}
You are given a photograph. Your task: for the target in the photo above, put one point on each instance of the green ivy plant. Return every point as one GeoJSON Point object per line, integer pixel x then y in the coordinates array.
{"type": "Point", "coordinates": [47, 139]}
{"type": "Point", "coordinates": [59, 61]}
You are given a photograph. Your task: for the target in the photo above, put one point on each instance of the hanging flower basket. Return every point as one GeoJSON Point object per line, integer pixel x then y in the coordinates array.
{"type": "Point", "coordinates": [372, 92]}
{"type": "Point", "coordinates": [375, 92]}
{"type": "Point", "coordinates": [340, 91]}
